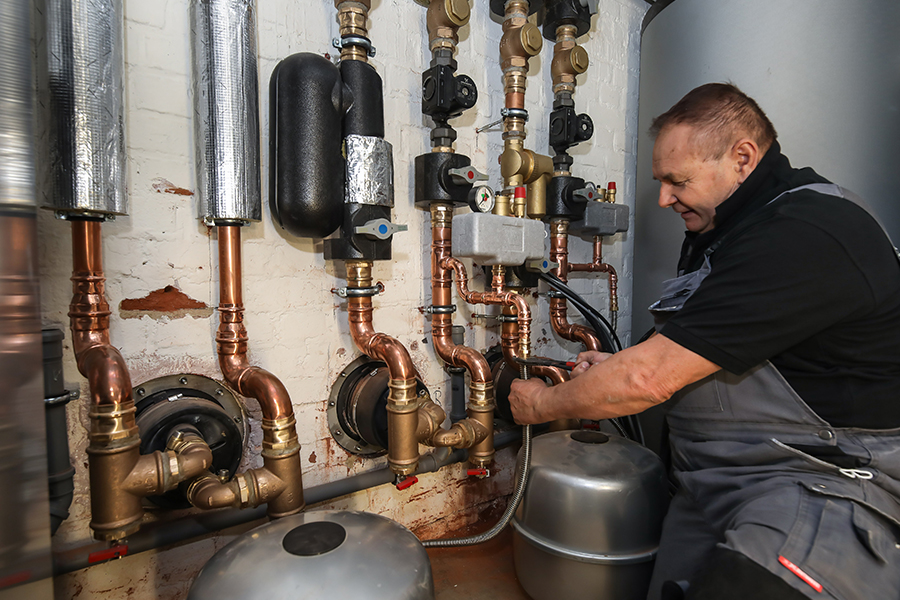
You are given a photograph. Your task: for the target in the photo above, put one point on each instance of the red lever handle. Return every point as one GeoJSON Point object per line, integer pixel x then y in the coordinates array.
{"type": "Point", "coordinates": [478, 473]}
{"type": "Point", "coordinates": [408, 481]}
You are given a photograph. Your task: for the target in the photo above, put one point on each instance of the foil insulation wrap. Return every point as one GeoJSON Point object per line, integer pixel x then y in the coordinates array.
{"type": "Point", "coordinates": [226, 110]}
{"type": "Point", "coordinates": [16, 100]}
{"type": "Point", "coordinates": [86, 128]}
{"type": "Point", "coordinates": [370, 171]}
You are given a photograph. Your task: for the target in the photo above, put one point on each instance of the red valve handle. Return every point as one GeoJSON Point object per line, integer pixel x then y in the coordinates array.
{"type": "Point", "coordinates": [110, 553]}
{"type": "Point", "coordinates": [408, 481]}
{"type": "Point", "coordinates": [478, 473]}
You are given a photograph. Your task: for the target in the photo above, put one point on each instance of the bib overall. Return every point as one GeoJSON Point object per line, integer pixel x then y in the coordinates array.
{"type": "Point", "coordinates": [760, 473]}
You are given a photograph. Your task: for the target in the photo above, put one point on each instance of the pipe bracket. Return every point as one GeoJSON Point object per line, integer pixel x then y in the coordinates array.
{"type": "Point", "coordinates": [361, 292]}
{"type": "Point", "coordinates": [343, 42]}
{"type": "Point", "coordinates": [440, 310]}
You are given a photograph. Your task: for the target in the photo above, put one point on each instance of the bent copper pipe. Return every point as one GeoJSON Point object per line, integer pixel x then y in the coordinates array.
{"type": "Point", "coordinates": [402, 402]}
{"type": "Point", "coordinates": [281, 447]}
{"type": "Point", "coordinates": [507, 299]}
{"type": "Point", "coordinates": [119, 475]}
{"type": "Point", "coordinates": [559, 253]}
{"type": "Point", "coordinates": [598, 266]}
{"type": "Point", "coordinates": [480, 408]}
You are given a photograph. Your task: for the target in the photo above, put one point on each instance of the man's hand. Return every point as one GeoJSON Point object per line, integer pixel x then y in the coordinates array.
{"type": "Point", "coordinates": [586, 360]}
{"type": "Point", "coordinates": [525, 399]}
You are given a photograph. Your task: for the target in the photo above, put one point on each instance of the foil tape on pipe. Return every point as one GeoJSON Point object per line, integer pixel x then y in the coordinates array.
{"type": "Point", "coordinates": [16, 118]}
{"type": "Point", "coordinates": [86, 125]}
{"type": "Point", "coordinates": [369, 170]}
{"type": "Point", "coordinates": [225, 86]}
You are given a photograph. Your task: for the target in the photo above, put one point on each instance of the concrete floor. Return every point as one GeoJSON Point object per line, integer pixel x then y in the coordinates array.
{"type": "Point", "coordinates": [485, 571]}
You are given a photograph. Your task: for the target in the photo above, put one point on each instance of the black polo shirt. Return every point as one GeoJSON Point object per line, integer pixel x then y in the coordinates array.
{"type": "Point", "coordinates": [810, 283]}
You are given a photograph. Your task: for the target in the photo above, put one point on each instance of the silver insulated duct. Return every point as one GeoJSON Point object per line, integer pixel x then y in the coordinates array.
{"type": "Point", "coordinates": [16, 135]}
{"type": "Point", "coordinates": [87, 109]}
{"type": "Point", "coordinates": [226, 109]}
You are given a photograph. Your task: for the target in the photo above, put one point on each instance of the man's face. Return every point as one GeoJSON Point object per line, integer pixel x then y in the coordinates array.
{"type": "Point", "coordinates": [691, 185]}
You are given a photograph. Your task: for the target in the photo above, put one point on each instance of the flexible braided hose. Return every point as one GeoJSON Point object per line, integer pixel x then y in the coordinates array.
{"type": "Point", "coordinates": [521, 481]}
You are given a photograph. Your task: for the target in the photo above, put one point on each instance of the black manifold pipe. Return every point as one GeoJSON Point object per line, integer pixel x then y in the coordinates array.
{"type": "Point", "coordinates": [308, 101]}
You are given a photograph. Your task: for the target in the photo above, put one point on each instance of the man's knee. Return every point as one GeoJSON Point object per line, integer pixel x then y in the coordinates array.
{"type": "Point", "coordinates": [730, 574]}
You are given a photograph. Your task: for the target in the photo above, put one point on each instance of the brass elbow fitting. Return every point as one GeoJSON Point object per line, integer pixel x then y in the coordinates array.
{"type": "Point", "coordinates": [281, 459]}
{"type": "Point", "coordinates": [246, 490]}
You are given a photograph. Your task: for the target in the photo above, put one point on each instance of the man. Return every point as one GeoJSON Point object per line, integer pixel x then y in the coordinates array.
{"type": "Point", "coordinates": [779, 346]}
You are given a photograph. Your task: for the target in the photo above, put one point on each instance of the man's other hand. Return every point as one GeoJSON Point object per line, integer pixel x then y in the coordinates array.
{"type": "Point", "coordinates": [586, 360]}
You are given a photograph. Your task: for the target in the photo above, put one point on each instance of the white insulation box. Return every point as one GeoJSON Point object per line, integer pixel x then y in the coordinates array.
{"type": "Point", "coordinates": [494, 240]}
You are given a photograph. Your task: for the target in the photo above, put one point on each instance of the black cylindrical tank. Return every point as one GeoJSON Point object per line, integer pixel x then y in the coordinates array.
{"type": "Point", "coordinates": [306, 184]}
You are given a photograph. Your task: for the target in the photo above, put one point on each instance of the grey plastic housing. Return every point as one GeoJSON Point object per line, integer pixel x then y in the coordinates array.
{"type": "Point", "coordinates": [495, 240]}
{"type": "Point", "coordinates": [601, 218]}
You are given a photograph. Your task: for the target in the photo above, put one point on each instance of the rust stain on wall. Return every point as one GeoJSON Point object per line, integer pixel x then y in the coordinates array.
{"type": "Point", "coordinates": [164, 186]}
{"type": "Point", "coordinates": [168, 302]}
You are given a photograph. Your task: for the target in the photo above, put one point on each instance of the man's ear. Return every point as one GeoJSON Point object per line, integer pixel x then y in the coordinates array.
{"type": "Point", "coordinates": [745, 155]}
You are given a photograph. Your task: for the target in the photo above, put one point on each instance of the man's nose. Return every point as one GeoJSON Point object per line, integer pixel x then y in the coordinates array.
{"type": "Point", "coordinates": [666, 198]}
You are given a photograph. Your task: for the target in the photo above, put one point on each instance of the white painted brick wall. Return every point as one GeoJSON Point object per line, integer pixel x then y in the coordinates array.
{"type": "Point", "coordinates": [297, 329]}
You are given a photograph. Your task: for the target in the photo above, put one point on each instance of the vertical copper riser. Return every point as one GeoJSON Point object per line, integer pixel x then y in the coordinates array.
{"type": "Point", "coordinates": [481, 389]}
{"type": "Point", "coordinates": [113, 450]}
{"type": "Point", "coordinates": [559, 253]}
{"type": "Point", "coordinates": [120, 476]}
{"type": "Point", "coordinates": [281, 446]}
{"type": "Point", "coordinates": [402, 404]}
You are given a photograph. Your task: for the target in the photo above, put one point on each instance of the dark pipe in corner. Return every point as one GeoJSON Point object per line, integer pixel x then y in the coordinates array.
{"type": "Point", "coordinates": [60, 473]}
{"type": "Point", "coordinates": [307, 104]}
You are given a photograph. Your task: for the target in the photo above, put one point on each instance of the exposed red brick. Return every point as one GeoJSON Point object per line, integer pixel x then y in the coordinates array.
{"type": "Point", "coordinates": [168, 299]}
{"type": "Point", "coordinates": [164, 186]}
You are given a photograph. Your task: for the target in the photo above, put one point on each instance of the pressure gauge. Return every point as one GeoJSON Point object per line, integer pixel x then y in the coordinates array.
{"type": "Point", "coordinates": [481, 199]}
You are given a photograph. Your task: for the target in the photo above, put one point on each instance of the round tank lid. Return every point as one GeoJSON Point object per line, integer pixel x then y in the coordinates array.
{"type": "Point", "coordinates": [319, 554]}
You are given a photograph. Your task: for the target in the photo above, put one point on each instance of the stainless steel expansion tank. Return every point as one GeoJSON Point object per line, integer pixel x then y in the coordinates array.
{"type": "Point", "coordinates": [319, 554]}
{"type": "Point", "coordinates": [589, 524]}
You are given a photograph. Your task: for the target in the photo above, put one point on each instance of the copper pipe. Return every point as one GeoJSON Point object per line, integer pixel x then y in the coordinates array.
{"type": "Point", "coordinates": [598, 266]}
{"type": "Point", "coordinates": [402, 404]}
{"type": "Point", "coordinates": [481, 405]}
{"type": "Point", "coordinates": [559, 253]}
{"type": "Point", "coordinates": [507, 299]}
{"type": "Point", "coordinates": [119, 475]}
{"type": "Point", "coordinates": [281, 447]}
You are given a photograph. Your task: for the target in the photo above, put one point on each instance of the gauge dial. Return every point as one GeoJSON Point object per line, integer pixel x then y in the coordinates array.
{"type": "Point", "coordinates": [481, 199]}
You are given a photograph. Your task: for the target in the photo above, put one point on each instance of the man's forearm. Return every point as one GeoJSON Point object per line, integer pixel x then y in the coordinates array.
{"type": "Point", "coordinates": [626, 383]}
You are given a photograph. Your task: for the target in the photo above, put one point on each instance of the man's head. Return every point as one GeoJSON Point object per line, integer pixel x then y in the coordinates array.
{"type": "Point", "coordinates": [706, 146]}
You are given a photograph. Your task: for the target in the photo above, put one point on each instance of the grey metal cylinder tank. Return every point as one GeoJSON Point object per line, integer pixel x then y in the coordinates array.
{"type": "Point", "coordinates": [827, 73]}
{"type": "Point", "coordinates": [225, 87]}
{"type": "Point", "coordinates": [319, 554]}
{"type": "Point", "coordinates": [590, 521]}
{"type": "Point", "coordinates": [83, 63]}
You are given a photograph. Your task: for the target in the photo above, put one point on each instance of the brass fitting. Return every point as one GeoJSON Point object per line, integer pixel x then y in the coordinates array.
{"type": "Point", "coordinates": [519, 166]}
{"type": "Point", "coordinates": [353, 16]}
{"type": "Point", "coordinates": [569, 59]}
{"type": "Point", "coordinates": [521, 39]}
{"type": "Point", "coordinates": [481, 410]}
{"type": "Point", "coordinates": [502, 206]}
{"type": "Point", "coordinates": [462, 434]}
{"type": "Point", "coordinates": [443, 20]}
{"type": "Point", "coordinates": [431, 415]}
{"type": "Point", "coordinates": [281, 459]}
{"type": "Point", "coordinates": [245, 490]}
